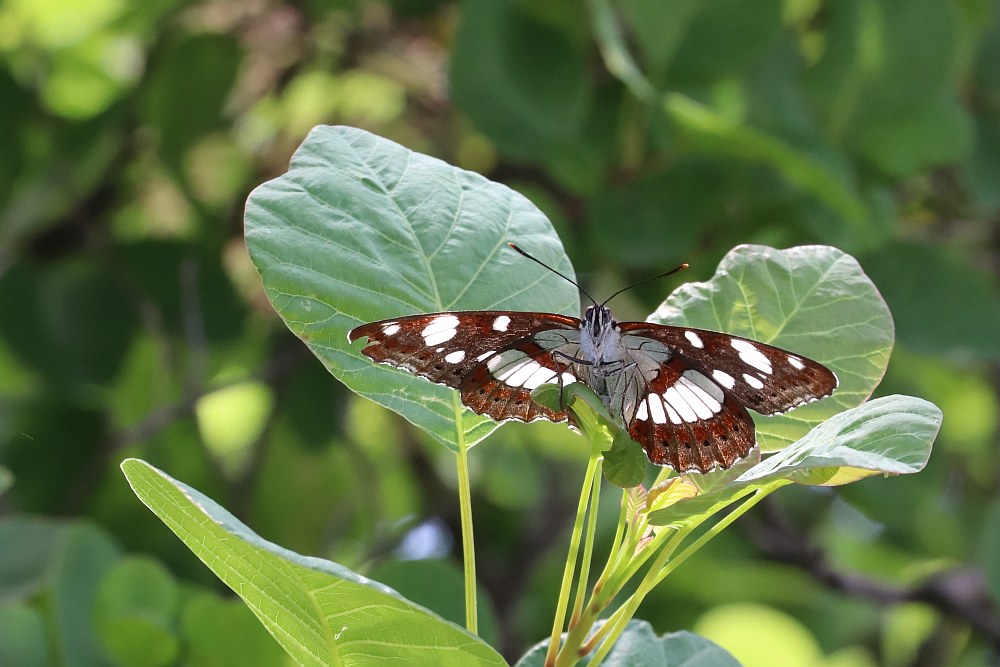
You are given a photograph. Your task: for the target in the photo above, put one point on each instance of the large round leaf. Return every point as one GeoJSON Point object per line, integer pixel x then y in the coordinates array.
{"type": "Point", "coordinates": [363, 229]}
{"type": "Point", "coordinates": [811, 300]}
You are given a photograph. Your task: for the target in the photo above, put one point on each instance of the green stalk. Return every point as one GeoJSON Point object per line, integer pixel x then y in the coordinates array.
{"type": "Point", "coordinates": [468, 539]}
{"type": "Point", "coordinates": [661, 568]}
{"type": "Point", "coordinates": [593, 469]}
{"type": "Point", "coordinates": [588, 551]}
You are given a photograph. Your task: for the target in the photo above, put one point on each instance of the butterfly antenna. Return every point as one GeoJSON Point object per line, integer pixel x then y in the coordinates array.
{"type": "Point", "coordinates": [561, 275]}
{"type": "Point", "coordinates": [647, 280]}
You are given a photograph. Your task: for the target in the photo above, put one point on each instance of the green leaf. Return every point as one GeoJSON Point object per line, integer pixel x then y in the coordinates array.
{"type": "Point", "coordinates": [134, 613]}
{"type": "Point", "coordinates": [941, 303]}
{"type": "Point", "coordinates": [438, 584]}
{"type": "Point", "coordinates": [716, 490]}
{"type": "Point", "coordinates": [22, 636]}
{"type": "Point", "coordinates": [224, 633]}
{"type": "Point", "coordinates": [62, 564]}
{"type": "Point", "coordinates": [523, 81]}
{"type": "Point", "coordinates": [811, 300]}
{"type": "Point", "coordinates": [362, 229]}
{"type": "Point", "coordinates": [320, 612]}
{"type": "Point", "coordinates": [989, 554]}
{"type": "Point", "coordinates": [6, 479]}
{"type": "Point", "coordinates": [625, 462]}
{"type": "Point", "coordinates": [638, 645]}
{"type": "Point", "coordinates": [715, 133]}
{"type": "Point", "coordinates": [889, 435]}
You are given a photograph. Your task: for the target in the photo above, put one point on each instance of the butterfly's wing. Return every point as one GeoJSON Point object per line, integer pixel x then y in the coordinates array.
{"type": "Point", "coordinates": [494, 358]}
{"type": "Point", "coordinates": [693, 387]}
{"type": "Point", "coordinates": [766, 379]}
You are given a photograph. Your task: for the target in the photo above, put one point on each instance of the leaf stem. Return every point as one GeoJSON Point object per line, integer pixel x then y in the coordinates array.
{"type": "Point", "coordinates": [593, 471]}
{"type": "Point", "coordinates": [664, 565]}
{"type": "Point", "coordinates": [468, 539]}
{"type": "Point", "coordinates": [588, 551]}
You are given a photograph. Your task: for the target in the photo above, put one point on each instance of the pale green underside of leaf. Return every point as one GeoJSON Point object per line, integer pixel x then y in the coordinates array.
{"type": "Point", "coordinates": [320, 612]}
{"type": "Point", "coordinates": [892, 435]}
{"type": "Point", "coordinates": [639, 646]}
{"type": "Point", "coordinates": [362, 229]}
{"type": "Point", "coordinates": [811, 300]}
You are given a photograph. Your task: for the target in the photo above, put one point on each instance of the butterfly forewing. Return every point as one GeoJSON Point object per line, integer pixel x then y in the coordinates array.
{"type": "Point", "coordinates": [490, 356]}
{"type": "Point", "coordinates": [764, 378]}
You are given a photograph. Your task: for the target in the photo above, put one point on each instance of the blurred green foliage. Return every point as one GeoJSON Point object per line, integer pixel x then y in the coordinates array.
{"type": "Point", "coordinates": [133, 324]}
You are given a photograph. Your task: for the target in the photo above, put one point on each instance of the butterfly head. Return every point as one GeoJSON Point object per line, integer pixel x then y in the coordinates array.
{"type": "Point", "coordinates": [598, 320]}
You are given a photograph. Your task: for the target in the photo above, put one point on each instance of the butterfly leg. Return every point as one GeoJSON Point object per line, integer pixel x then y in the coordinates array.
{"type": "Point", "coordinates": [562, 365]}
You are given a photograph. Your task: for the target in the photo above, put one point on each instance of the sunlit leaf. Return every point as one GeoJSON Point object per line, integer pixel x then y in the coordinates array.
{"type": "Point", "coordinates": [362, 229]}
{"type": "Point", "coordinates": [811, 300]}
{"type": "Point", "coordinates": [890, 435]}
{"type": "Point", "coordinates": [320, 612]}
{"type": "Point", "coordinates": [639, 645]}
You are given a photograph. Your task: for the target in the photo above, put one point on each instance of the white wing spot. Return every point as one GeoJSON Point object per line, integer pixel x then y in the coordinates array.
{"type": "Point", "coordinates": [485, 354]}
{"type": "Point", "coordinates": [724, 378]}
{"type": "Point", "coordinates": [705, 385]}
{"type": "Point", "coordinates": [520, 373]}
{"type": "Point", "coordinates": [539, 377]}
{"type": "Point", "coordinates": [752, 381]}
{"type": "Point", "coordinates": [505, 363]}
{"type": "Point", "coordinates": [642, 414]}
{"type": "Point", "coordinates": [796, 362]}
{"type": "Point", "coordinates": [455, 357]}
{"type": "Point", "coordinates": [656, 409]}
{"type": "Point", "coordinates": [678, 402]}
{"type": "Point", "coordinates": [439, 330]}
{"type": "Point", "coordinates": [501, 323]}
{"type": "Point", "coordinates": [390, 329]}
{"type": "Point", "coordinates": [752, 356]}
{"type": "Point", "coordinates": [694, 339]}
{"type": "Point", "coordinates": [694, 401]}
{"type": "Point", "coordinates": [567, 378]}
{"type": "Point", "coordinates": [672, 414]}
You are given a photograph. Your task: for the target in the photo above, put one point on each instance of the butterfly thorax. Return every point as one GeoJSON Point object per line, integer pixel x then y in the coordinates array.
{"type": "Point", "coordinates": [601, 358]}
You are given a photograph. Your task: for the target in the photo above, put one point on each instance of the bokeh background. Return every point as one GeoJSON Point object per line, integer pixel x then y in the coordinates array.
{"type": "Point", "coordinates": [133, 324]}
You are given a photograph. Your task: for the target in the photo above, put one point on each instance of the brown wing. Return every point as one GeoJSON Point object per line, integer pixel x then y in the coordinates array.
{"type": "Point", "coordinates": [490, 356]}
{"type": "Point", "coordinates": [688, 422]}
{"type": "Point", "coordinates": [764, 378]}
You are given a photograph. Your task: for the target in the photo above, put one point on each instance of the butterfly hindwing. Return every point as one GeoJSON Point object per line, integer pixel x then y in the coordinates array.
{"type": "Point", "coordinates": [687, 421]}
{"type": "Point", "coordinates": [764, 378]}
{"type": "Point", "coordinates": [490, 356]}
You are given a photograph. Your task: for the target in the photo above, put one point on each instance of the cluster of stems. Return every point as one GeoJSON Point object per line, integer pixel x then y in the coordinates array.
{"type": "Point", "coordinates": [639, 550]}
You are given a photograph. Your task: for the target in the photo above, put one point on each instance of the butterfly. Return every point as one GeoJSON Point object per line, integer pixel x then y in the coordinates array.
{"type": "Point", "coordinates": [682, 393]}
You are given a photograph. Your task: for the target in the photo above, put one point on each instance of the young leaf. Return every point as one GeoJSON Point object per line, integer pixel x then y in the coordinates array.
{"type": "Point", "coordinates": [889, 435]}
{"type": "Point", "coordinates": [362, 229]}
{"type": "Point", "coordinates": [811, 300]}
{"type": "Point", "coordinates": [639, 645]}
{"type": "Point", "coordinates": [625, 462]}
{"type": "Point", "coordinates": [320, 612]}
